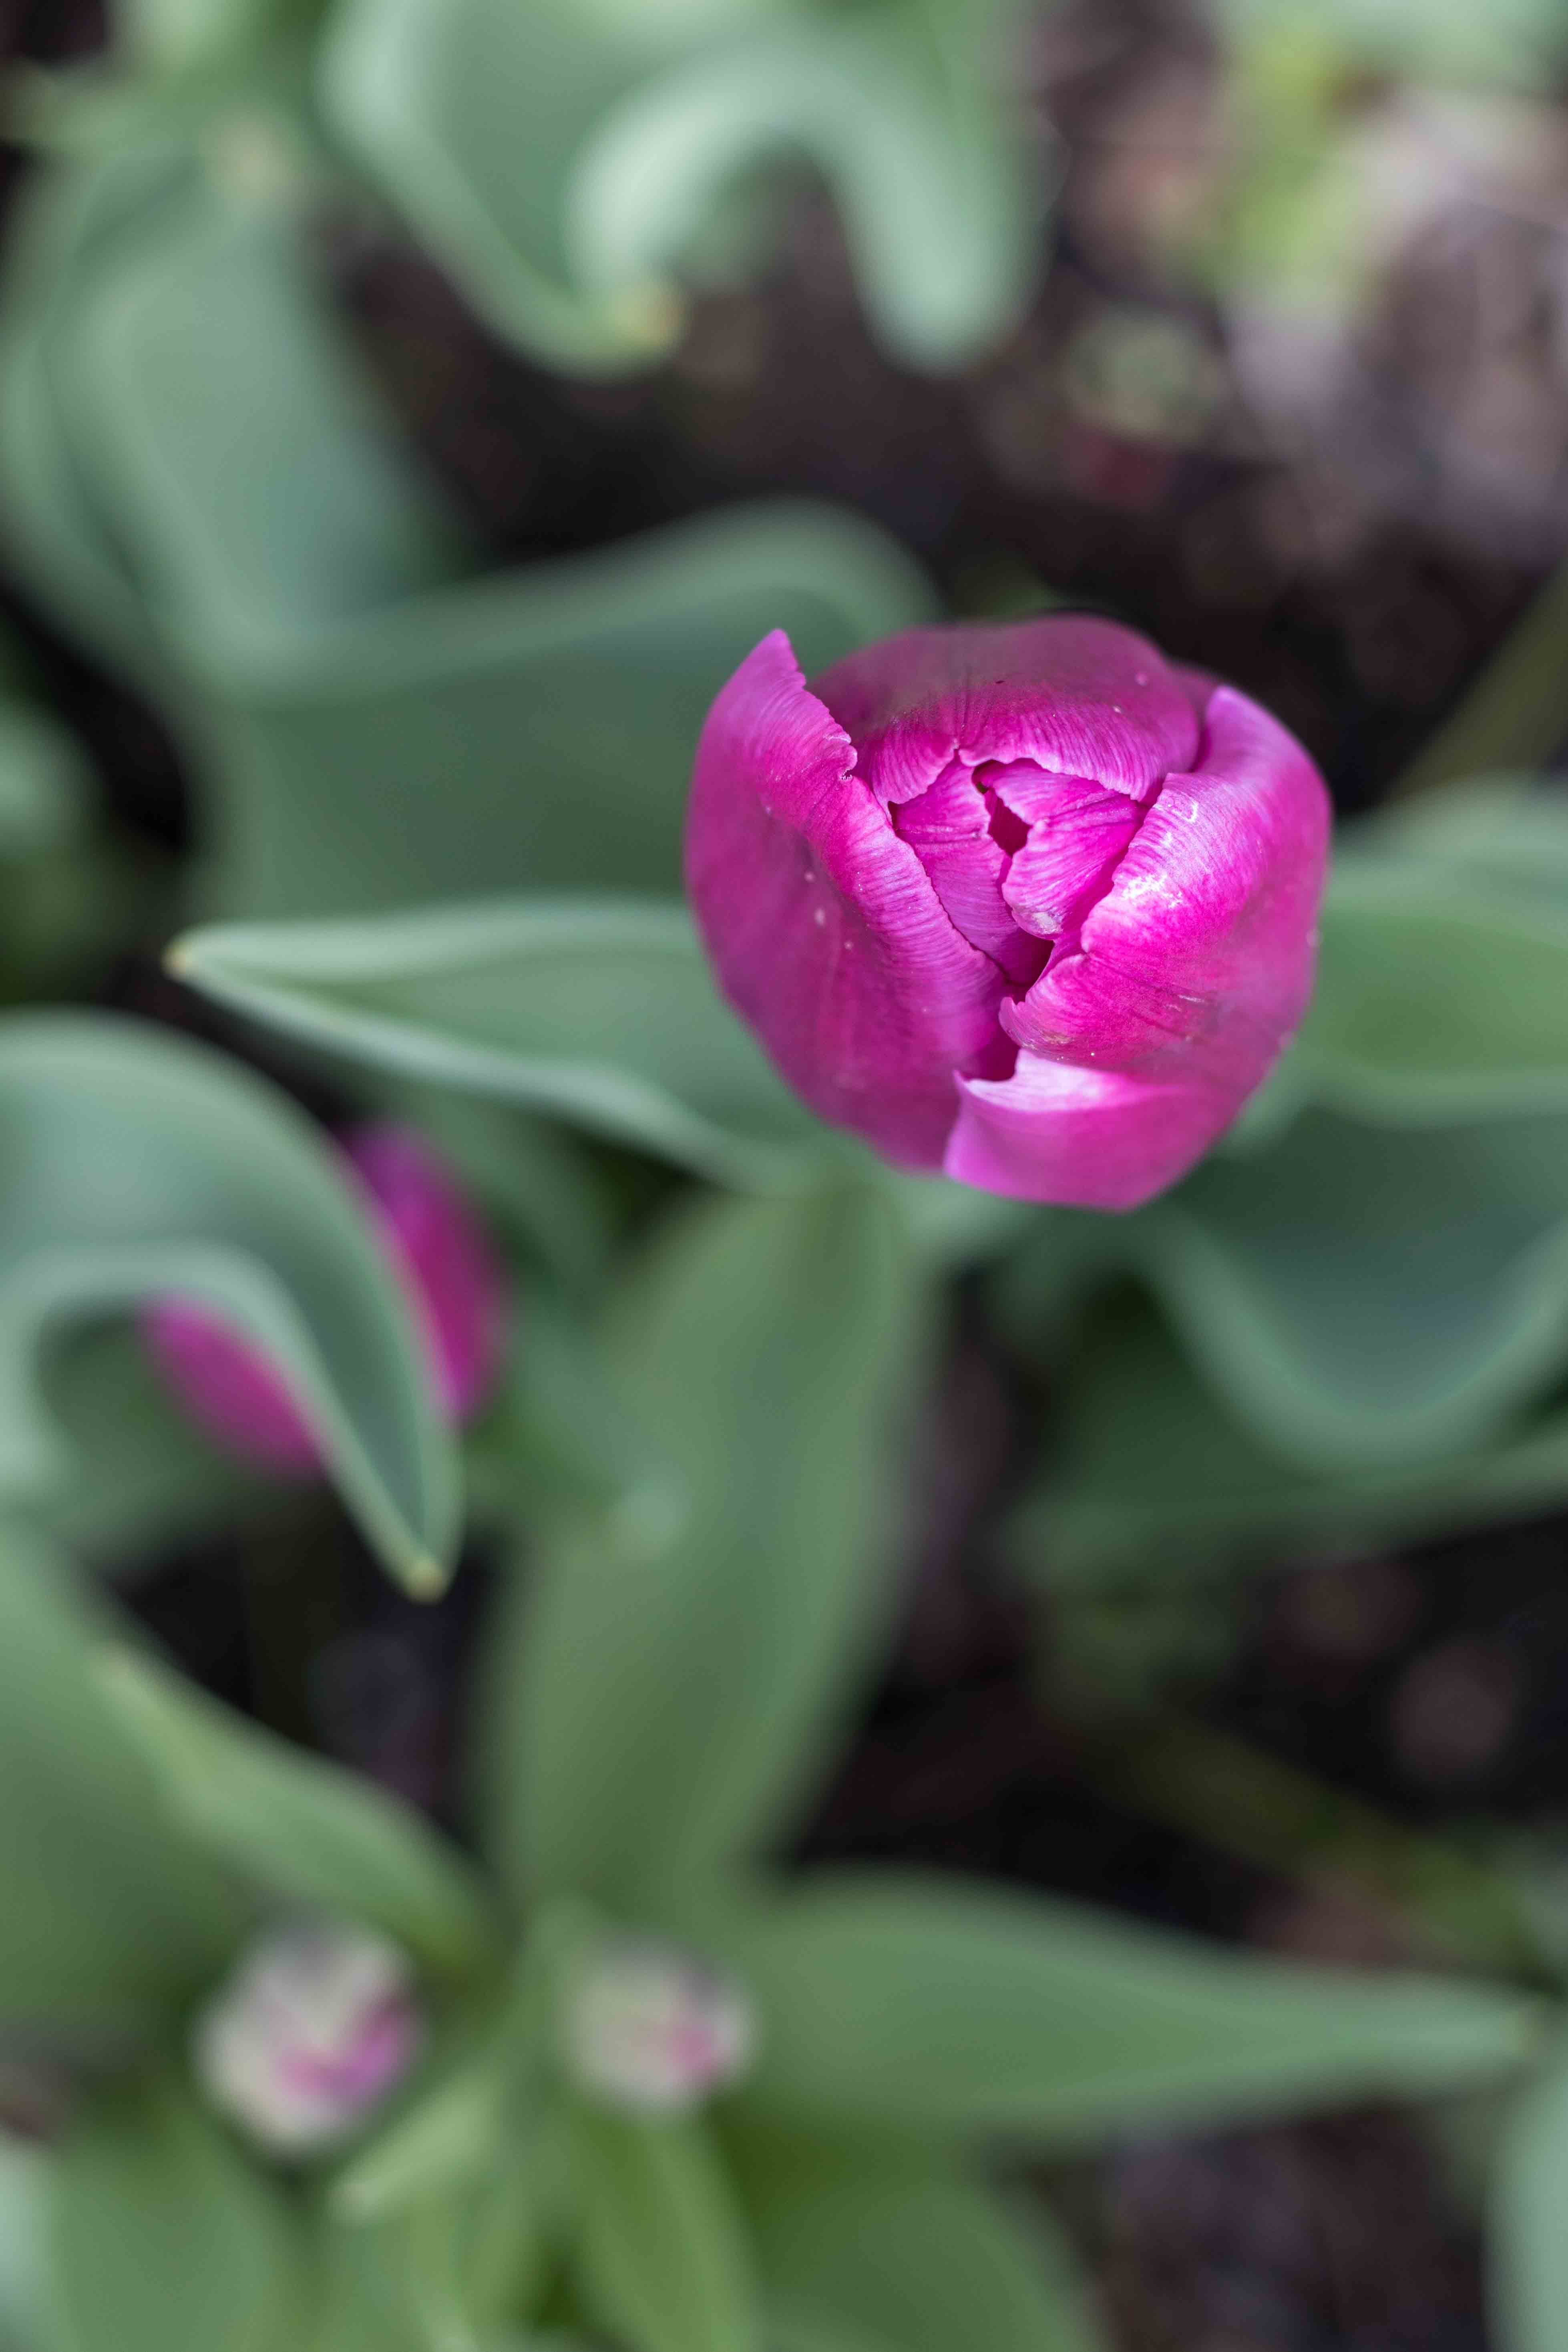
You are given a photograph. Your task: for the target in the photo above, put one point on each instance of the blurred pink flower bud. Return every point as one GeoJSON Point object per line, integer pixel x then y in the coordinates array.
{"type": "Point", "coordinates": [652, 2032]}
{"type": "Point", "coordinates": [449, 1270]}
{"type": "Point", "coordinates": [1028, 903]}
{"type": "Point", "coordinates": [314, 2027]}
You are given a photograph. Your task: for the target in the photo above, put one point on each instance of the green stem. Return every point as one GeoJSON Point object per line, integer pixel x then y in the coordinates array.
{"type": "Point", "coordinates": [1216, 1788]}
{"type": "Point", "coordinates": [1516, 713]}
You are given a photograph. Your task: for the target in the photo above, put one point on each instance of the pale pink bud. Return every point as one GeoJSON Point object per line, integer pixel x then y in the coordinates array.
{"type": "Point", "coordinates": [653, 2031]}
{"type": "Point", "coordinates": [314, 2027]}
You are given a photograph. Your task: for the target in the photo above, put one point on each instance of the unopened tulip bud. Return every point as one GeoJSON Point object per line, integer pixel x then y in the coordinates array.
{"type": "Point", "coordinates": [1027, 903]}
{"type": "Point", "coordinates": [652, 2032]}
{"type": "Point", "coordinates": [315, 2026]}
{"type": "Point", "coordinates": [453, 1280]}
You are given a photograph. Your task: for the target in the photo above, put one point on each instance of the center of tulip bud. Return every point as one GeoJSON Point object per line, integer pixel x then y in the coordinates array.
{"type": "Point", "coordinates": [652, 2032]}
{"type": "Point", "coordinates": [314, 2027]}
{"type": "Point", "coordinates": [1018, 855]}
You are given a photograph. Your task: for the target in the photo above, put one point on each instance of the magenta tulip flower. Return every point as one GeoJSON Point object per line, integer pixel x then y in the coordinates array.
{"type": "Point", "coordinates": [1029, 904]}
{"type": "Point", "coordinates": [453, 1279]}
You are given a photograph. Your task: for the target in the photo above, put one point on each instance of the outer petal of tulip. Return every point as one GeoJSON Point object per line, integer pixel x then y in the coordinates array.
{"type": "Point", "coordinates": [450, 1272]}
{"type": "Point", "coordinates": [1122, 863]}
{"type": "Point", "coordinates": [824, 926]}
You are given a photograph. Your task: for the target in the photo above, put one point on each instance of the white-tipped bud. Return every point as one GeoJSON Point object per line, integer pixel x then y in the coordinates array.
{"type": "Point", "coordinates": [652, 2030]}
{"type": "Point", "coordinates": [316, 2024]}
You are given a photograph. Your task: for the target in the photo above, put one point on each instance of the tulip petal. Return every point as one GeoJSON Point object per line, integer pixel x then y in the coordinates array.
{"type": "Point", "coordinates": [1082, 1138]}
{"type": "Point", "coordinates": [1071, 692]}
{"type": "Point", "coordinates": [1197, 961]}
{"type": "Point", "coordinates": [1077, 832]}
{"type": "Point", "coordinates": [824, 926]}
{"type": "Point", "coordinates": [950, 830]}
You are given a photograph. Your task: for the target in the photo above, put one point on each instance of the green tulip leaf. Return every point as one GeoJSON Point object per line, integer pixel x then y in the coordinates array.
{"type": "Point", "coordinates": [1370, 1297]}
{"type": "Point", "coordinates": [451, 2133]}
{"type": "Point", "coordinates": [163, 2233]}
{"type": "Point", "coordinates": [111, 1919]}
{"type": "Point", "coordinates": [951, 2010]}
{"type": "Point", "coordinates": [900, 112]}
{"type": "Point", "coordinates": [25, 2178]}
{"type": "Point", "coordinates": [671, 1682]}
{"type": "Point", "coordinates": [1528, 2245]}
{"type": "Point", "coordinates": [445, 2268]}
{"type": "Point", "coordinates": [297, 1825]}
{"type": "Point", "coordinates": [157, 1484]}
{"type": "Point", "coordinates": [44, 790]}
{"type": "Point", "coordinates": [1147, 1476]}
{"type": "Point", "coordinates": [1438, 1000]}
{"type": "Point", "coordinates": [64, 224]}
{"type": "Point", "coordinates": [661, 2257]}
{"type": "Point", "coordinates": [142, 1165]}
{"type": "Point", "coordinates": [568, 164]}
{"type": "Point", "coordinates": [308, 622]}
{"type": "Point", "coordinates": [600, 1012]}
{"type": "Point", "coordinates": [856, 2251]}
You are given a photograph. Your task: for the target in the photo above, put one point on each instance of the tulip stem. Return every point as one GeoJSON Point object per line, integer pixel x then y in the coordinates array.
{"type": "Point", "coordinates": [1515, 715]}
{"type": "Point", "coordinates": [1221, 1789]}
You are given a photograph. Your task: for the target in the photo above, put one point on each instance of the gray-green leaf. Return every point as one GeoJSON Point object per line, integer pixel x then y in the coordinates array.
{"type": "Point", "coordinates": [954, 2009]}
{"type": "Point", "coordinates": [662, 2257]}
{"type": "Point", "coordinates": [678, 1671]}
{"type": "Point", "coordinates": [138, 1165]}
{"type": "Point", "coordinates": [298, 1825]}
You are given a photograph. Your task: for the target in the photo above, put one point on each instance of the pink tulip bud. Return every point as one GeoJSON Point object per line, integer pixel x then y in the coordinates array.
{"type": "Point", "coordinates": [653, 2032]}
{"type": "Point", "coordinates": [1028, 903]}
{"type": "Point", "coordinates": [451, 1272]}
{"type": "Point", "coordinates": [314, 2028]}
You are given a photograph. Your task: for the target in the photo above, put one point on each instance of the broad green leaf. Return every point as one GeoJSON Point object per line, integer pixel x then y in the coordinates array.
{"type": "Point", "coordinates": [541, 1193]}
{"type": "Point", "coordinates": [176, 35]}
{"type": "Point", "coordinates": [298, 1825]}
{"type": "Point", "coordinates": [450, 2134]}
{"type": "Point", "coordinates": [359, 2296]}
{"type": "Point", "coordinates": [567, 162]}
{"type": "Point", "coordinates": [471, 115]}
{"type": "Point", "coordinates": [26, 2171]}
{"type": "Point", "coordinates": [1528, 2244]}
{"type": "Point", "coordinates": [601, 1012]}
{"type": "Point", "coordinates": [1372, 1297]}
{"type": "Point", "coordinates": [952, 2008]}
{"type": "Point", "coordinates": [63, 223]}
{"type": "Point", "coordinates": [1145, 1474]}
{"type": "Point", "coordinates": [326, 519]}
{"type": "Point", "coordinates": [1437, 1000]}
{"type": "Point", "coordinates": [163, 2235]}
{"type": "Point", "coordinates": [301, 619]}
{"type": "Point", "coordinates": [666, 1700]}
{"type": "Point", "coordinates": [139, 1164]}
{"type": "Point", "coordinates": [157, 1483]}
{"type": "Point", "coordinates": [661, 2256]}
{"type": "Point", "coordinates": [916, 137]}
{"type": "Point", "coordinates": [1362, 1298]}
{"type": "Point", "coordinates": [112, 1920]}
{"type": "Point", "coordinates": [1504, 837]}
{"type": "Point", "coordinates": [44, 783]}
{"type": "Point", "coordinates": [855, 2249]}
{"type": "Point", "coordinates": [443, 2272]}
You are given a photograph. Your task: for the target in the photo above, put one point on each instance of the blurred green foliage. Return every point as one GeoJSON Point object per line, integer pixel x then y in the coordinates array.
{"type": "Point", "coordinates": [579, 168]}
{"type": "Point", "coordinates": [661, 1690]}
{"type": "Point", "coordinates": [1352, 1323]}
